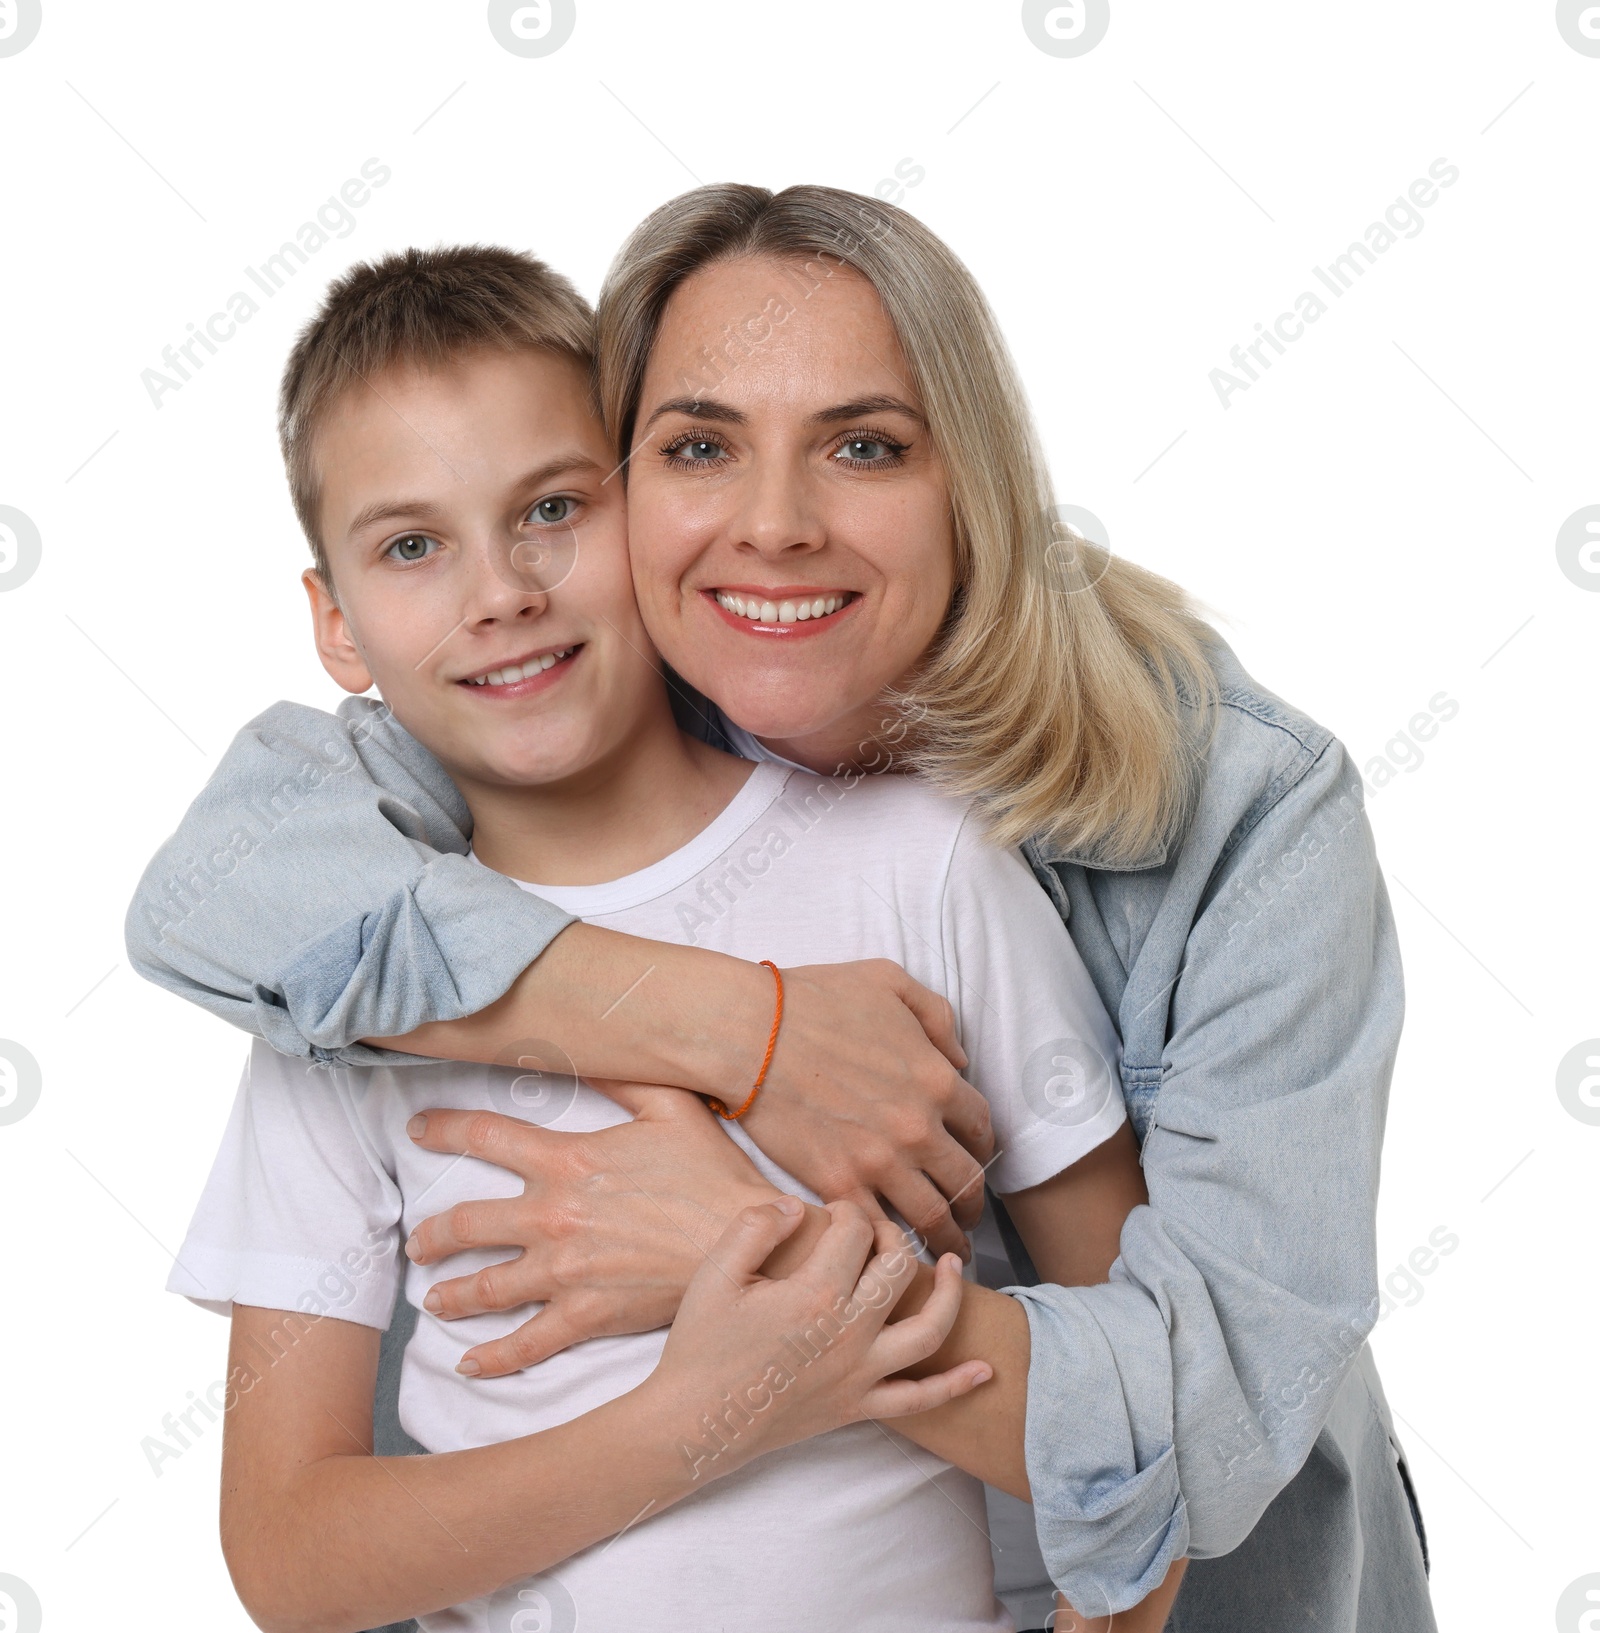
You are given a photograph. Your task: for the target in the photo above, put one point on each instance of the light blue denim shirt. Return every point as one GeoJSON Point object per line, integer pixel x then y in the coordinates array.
{"type": "Point", "coordinates": [1216, 1398]}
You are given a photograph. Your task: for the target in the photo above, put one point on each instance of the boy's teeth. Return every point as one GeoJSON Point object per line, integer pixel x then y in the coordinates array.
{"type": "Point", "coordinates": [526, 671]}
{"type": "Point", "coordinates": [778, 612]}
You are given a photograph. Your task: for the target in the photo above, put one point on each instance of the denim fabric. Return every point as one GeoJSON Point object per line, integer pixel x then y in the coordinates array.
{"type": "Point", "coordinates": [319, 891]}
{"type": "Point", "coordinates": [1216, 1397]}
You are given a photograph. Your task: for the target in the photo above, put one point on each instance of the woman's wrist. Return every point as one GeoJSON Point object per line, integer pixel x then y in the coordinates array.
{"type": "Point", "coordinates": [712, 1015]}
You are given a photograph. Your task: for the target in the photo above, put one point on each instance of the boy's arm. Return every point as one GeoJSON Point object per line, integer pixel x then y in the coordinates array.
{"type": "Point", "coordinates": [323, 1537]}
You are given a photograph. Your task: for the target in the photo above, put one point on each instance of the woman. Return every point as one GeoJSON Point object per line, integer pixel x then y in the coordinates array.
{"type": "Point", "coordinates": [1205, 842]}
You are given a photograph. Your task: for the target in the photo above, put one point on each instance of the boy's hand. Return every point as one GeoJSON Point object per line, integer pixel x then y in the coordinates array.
{"type": "Point", "coordinates": [779, 1361]}
{"type": "Point", "coordinates": [612, 1225]}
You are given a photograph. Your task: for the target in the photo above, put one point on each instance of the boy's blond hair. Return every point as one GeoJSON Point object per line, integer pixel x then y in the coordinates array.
{"type": "Point", "coordinates": [423, 307]}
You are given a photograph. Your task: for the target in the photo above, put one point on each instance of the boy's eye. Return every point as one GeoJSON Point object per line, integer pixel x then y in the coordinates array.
{"type": "Point", "coordinates": [412, 547]}
{"type": "Point", "coordinates": [552, 510]}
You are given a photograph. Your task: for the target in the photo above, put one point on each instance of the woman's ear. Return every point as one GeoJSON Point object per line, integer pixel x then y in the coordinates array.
{"type": "Point", "coordinates": [336, 644]}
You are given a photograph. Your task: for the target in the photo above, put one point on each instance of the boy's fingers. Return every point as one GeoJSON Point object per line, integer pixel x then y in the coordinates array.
{"type": "Point", "coordinates": [917, 1337]}
{"type": "Point", "coordinates": [537, 1339]}
{"type": "Point", "coordinates": [741, 1250]}
{"type": "Point", "coordinates": [900, 1397]}
{"type": "Point", "coordinates": [835, 1263]}
{"type": "Point", "coordinates": [505, 1141]}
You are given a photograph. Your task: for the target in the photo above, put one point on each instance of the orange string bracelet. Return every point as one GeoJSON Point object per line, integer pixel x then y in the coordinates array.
{"type": "Point", "coordinates": [766, 1060]}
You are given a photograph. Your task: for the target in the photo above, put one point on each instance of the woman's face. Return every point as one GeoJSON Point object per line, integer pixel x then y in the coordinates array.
{"type": "Point", "coordinates": [788, 515]}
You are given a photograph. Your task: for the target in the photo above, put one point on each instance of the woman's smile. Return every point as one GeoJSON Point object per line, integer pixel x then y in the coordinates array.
{"type": "Point", "coordinates": [784, 611]}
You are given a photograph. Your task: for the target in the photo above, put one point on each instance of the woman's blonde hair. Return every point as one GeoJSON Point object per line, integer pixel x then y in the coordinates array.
{"type": "Point", "coordinates": [1068, 690]}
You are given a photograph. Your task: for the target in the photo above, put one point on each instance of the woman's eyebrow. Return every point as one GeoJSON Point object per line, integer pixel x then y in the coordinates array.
{"type": "Point", "coordinates": [709, 408]}
{"type": "Point", "coordinates": [699, 408]}
{"type": "Point", "coordinates": [866, 405]}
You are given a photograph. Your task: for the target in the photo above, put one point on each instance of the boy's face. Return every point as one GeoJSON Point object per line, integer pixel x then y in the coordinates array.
{"type": "Point", "coordinates": [471, 534]}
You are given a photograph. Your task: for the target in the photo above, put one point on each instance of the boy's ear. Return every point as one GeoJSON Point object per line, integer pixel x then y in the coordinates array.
{"type": "Point", "coordinates": [331, 630]}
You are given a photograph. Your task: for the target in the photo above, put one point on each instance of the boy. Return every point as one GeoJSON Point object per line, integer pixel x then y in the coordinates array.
{"type": "Point", "coordinates": [471, 562]}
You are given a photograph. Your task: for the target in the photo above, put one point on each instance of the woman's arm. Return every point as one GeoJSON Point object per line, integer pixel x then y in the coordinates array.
{"type": "Point", "coordinates": [1265, 1007]}
{"type": "Point", "coordinates": [322, 1537]}
{"type": "Point", "coordinates": [319, 892]}
{"type": "Point", "coordinates": [1070, 1225]}
{"type": "Point", "coordinates": [857, 1102]}
{"type": "Point", "coordinates": [612, 1225]}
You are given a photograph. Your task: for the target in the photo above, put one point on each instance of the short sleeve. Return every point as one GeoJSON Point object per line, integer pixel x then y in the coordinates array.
{"type": "Point", "coordinates": [1040, 1045]}
{"type": "Point", "coordinates": [299, 1212]}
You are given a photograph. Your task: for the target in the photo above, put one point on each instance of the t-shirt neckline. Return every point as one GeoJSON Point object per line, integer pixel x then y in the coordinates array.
{"type": "Point", "coordinates": [761, 788]}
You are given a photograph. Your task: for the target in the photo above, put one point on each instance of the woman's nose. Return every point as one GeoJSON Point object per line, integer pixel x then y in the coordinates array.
{"type": "Point", "coordinates": [778, 514]}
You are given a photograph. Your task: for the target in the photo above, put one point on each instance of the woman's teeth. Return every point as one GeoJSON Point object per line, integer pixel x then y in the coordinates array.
{"type": "Point", "coordinates": [526, 671]}
{"type": "Point", "coordinates": [779, 612]}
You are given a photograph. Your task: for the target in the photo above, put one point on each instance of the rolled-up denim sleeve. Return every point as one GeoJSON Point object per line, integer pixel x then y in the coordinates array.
{"type": "Point", "coordinates": [319, 891]}
{"type": "Point", "coordinates": [1169, 1406]}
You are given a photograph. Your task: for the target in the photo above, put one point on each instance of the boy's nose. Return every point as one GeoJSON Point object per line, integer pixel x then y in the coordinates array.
{"type": "Point", "coordinates": [514, 574]}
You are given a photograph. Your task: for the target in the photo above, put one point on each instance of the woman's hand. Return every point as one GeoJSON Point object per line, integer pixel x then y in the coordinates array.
{"type": "Point", "coordinates": [864, 1098]}
{"type": "Point", "coordinates": [612, 1225]}
{"type": "Point", "coordinates": [773, 1362]}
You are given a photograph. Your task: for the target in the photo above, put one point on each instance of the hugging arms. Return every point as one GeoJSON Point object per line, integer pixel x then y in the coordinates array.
{"type": "Point", "coordinates": [1203, 839]}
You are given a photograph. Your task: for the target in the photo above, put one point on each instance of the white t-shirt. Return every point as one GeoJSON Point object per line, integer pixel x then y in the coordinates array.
{"type": "Point", "coordinates": [317, 1184]}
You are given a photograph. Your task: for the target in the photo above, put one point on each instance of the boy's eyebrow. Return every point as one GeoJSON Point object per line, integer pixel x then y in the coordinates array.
{"type": "Point", "coordinates": [710, 408]}
{"type": "Point", "coordinates": [426, 510]}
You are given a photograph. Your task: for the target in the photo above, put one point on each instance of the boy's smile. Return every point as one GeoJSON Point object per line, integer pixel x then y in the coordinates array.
{"type": "Point", "coordinates": [522, 676]}
{"type": "Point", "coordinates": [480, 565]}
{"type": "Point", "coordinates": [479, 558]}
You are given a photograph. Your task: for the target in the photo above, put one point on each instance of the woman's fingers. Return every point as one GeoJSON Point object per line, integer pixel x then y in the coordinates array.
{"type": "Point", "coordinates": [505, 1141]}
{"type": "Point", "coordinates": [925, 1210]}
{"type": "Point", "coordinates": [490, 1223]}
{"type": "Point", "coordinates": [503, 1286]}
{"type": "Point", "coordinates": [537, 1339]}
{"type": "Point", "coordinates": [934, 1015]}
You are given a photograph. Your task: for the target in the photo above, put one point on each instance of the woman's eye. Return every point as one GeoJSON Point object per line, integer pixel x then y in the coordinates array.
{"type": "Point", "coordinates": [868, 451]}
{"type": "Point", "coordinates": [698, 452]}
{"type": "Point", "coordinates": [412, 547]}
{"type": "Point", "coordinates": [552, 510]}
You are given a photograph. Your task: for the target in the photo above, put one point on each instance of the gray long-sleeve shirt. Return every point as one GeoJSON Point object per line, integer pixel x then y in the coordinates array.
{"type": "Point", "coordinates": [1216, 1397]}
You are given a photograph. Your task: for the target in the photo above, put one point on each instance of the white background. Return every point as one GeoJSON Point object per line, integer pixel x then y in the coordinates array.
{"type": "Point", "coordinates": [1374, 521]}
